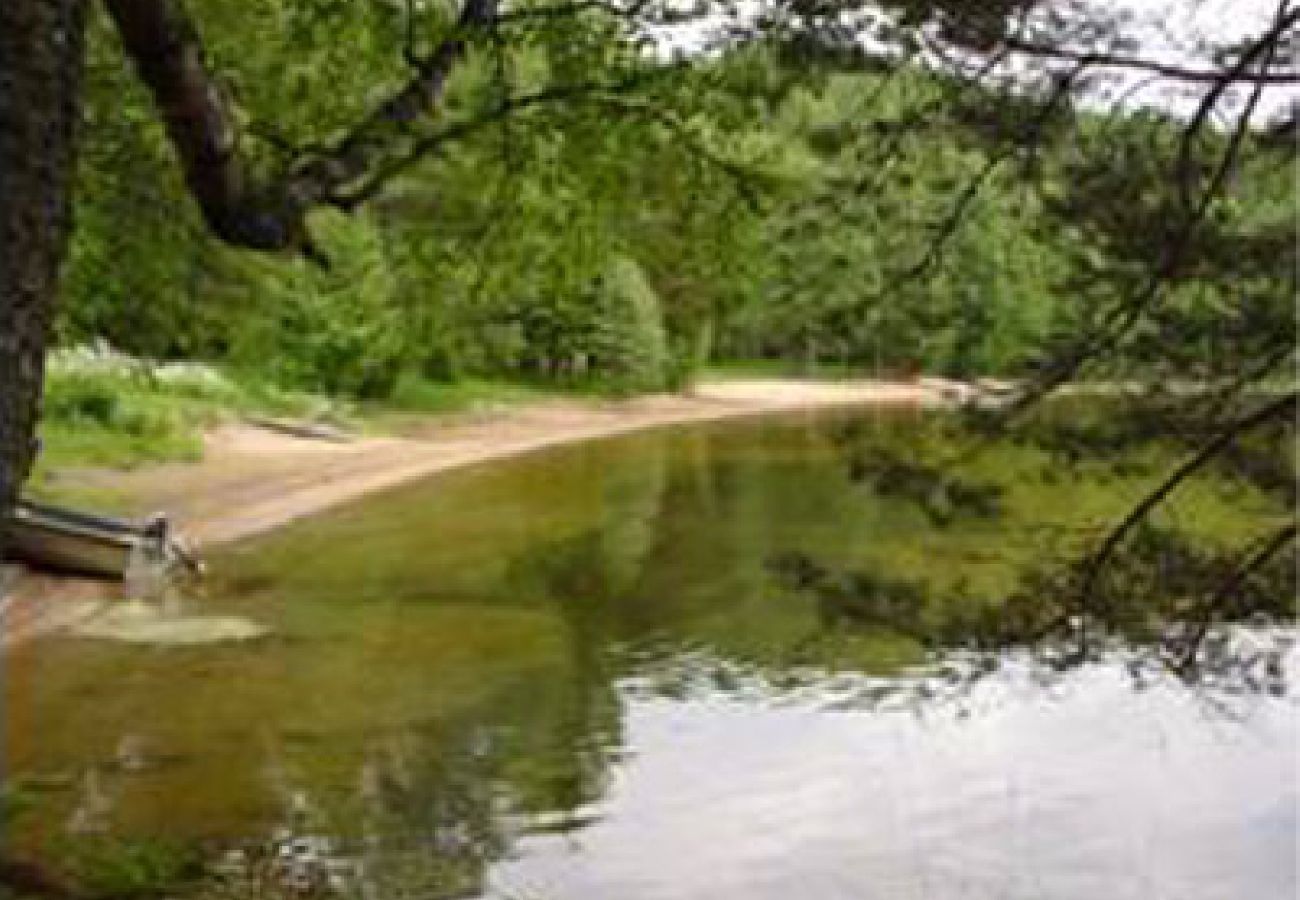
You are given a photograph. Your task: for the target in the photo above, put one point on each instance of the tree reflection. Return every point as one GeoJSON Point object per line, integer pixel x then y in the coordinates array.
{"type": "Point", "coordinates": [1172, 589]}
{"type": "Point", "coordinates": [452, 709]}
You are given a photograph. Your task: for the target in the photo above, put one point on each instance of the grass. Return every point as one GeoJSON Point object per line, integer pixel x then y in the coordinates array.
{"type": "Point", "coordinates": [123, 419]}
{"type": "Point", "coordinates": [414, 398]}
{"type": "Point", "coordinates": [421, 395]}
{"type": "Point", "coordinates": [738, 369]}
{"type": "Point", "coordinates": [113, 412]}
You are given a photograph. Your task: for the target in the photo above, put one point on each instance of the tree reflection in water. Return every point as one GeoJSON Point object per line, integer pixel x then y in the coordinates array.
{"type": "Point", "coordinates": [1212, 609]}
{"type": "Point", "coordinates": [535, 672]}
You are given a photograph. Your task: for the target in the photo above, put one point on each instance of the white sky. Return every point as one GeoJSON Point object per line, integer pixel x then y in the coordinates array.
{"type": "Point", "coordinates": [1168, 31]}
{"type": "Point", "coordinates": [1181, 19]}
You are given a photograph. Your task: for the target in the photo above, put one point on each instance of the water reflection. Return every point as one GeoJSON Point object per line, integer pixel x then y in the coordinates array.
{"type": "Point", "coordinates": [1012, 789]}
{"type": "Point", "coordinates": [576, 676]}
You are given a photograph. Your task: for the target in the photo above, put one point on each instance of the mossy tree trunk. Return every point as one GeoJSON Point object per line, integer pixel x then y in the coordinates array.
{"type": "Point", "coordinates": [41, 43]}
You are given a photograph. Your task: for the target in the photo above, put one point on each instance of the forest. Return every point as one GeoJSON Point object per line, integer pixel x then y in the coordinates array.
{"type": "Point", "coordinates": [778, 204]}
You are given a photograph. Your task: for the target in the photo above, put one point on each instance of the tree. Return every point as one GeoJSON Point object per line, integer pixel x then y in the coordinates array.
{"type": "Point", "coordinates": [40, 82]}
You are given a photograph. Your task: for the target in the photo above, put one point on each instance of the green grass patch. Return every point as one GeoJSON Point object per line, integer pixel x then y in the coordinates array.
{"type": "Point", "coordinates": [111, 411]}
{"type": "Point", "coordinates": [739, 369]}
{"type": "Point", "coordinates": [415, 394]}
{"type": "Point", "coordinates": [119, 420]}
{"type": "Point", "coordinates": [415, 398]}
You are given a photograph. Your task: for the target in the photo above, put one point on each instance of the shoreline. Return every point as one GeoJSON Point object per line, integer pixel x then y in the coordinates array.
{"type": "Point", "coordinates": [252, 480]}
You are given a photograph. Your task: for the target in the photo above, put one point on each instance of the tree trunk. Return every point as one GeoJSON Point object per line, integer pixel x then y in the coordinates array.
{"type": "Point", "coordinates": [41, 44]}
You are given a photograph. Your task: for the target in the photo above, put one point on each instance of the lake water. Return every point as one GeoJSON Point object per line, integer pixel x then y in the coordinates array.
{"type": "Point", "coordinates": [575, 676]}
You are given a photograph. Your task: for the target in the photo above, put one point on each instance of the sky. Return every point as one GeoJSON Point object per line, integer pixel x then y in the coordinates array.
{"type": "Point", "coordinates": [1181, 19]}
{"type": "Point", "coordinates": [1170, 29]}
{"type": "Point", "coordinates": [1167, 30]}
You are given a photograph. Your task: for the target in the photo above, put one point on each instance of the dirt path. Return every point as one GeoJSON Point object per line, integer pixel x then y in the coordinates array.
{"type": "Point", "coordinates": [252, 479]}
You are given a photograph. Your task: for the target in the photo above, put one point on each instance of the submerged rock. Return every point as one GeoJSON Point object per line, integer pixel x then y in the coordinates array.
{"type": "Point", "coordinates": [137, 622]}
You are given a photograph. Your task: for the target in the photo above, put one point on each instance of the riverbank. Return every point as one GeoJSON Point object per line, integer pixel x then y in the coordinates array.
{"type": "Point", "coordinates": [252, 479]}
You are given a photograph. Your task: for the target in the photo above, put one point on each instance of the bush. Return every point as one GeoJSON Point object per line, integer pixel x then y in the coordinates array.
{"type": "Point", "coordinates": [629, 344]}
{"type": "Point", "coordinates": [104, 407]}
{"type": "Point", "coordinates": [81, 399]}
{"type": "Point", "coordinates": [601, 327]}
{"type": "Point", "coordinates": [340, 331]}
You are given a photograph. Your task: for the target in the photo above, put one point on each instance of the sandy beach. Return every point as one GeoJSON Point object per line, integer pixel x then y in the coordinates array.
{"type": "Point", "coordinates": [253, 479]}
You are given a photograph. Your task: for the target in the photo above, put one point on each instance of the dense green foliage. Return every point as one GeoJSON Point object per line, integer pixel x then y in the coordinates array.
{"type": "Point", "coordinates": [541, 260]}
{"type": "Point", "coordinates": [753, 208]}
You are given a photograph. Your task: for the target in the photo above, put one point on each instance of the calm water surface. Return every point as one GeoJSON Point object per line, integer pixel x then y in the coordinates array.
{"type": "Point", "coordinates": [575, 676]}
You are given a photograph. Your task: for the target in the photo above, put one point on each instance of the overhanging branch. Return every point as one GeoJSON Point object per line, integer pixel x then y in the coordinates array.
{"type": "Point", "coordinates": [426, 145]}
{"type": "Point", "coordinates": [165, 46]}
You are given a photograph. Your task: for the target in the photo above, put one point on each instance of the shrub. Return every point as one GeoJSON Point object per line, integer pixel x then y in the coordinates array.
{"type": "Point", "coordinates": [339, 331]}
{"type": "Point", "coordinates": [629, 344]}
{"type": "Point", "coordinates": [81, 399]}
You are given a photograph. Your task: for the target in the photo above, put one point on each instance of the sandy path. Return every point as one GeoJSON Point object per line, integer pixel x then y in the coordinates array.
{"type": "Point", "coordinates": [252, 479]}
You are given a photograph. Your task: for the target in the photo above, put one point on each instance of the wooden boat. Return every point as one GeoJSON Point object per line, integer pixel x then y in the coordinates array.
{"type": "Point", "coordinates": [88, 543]}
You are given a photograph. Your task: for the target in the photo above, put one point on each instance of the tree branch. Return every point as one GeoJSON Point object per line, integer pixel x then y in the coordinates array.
{"type": "Point", "coordinates": [1096, 561]}
{"type": "Point", "coordinates": [1119, 321]}
{"type": "Point", "coordinates": [1254, 561]}
{"type": "Point", "coordinates": [419, 149]}
{"type": "Point", "coordinates": [576, 8]}
{"type": "Point", "coordinates": [162, 41]}
{"type": "Point", "coordinates": [1265, 46]}
{"type": "Point", "coordinates": [957, 214]}
{"type": "Point", "coordinates": [1099, 59]}
{"type": "Point", "coordinates": [165, 46]}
